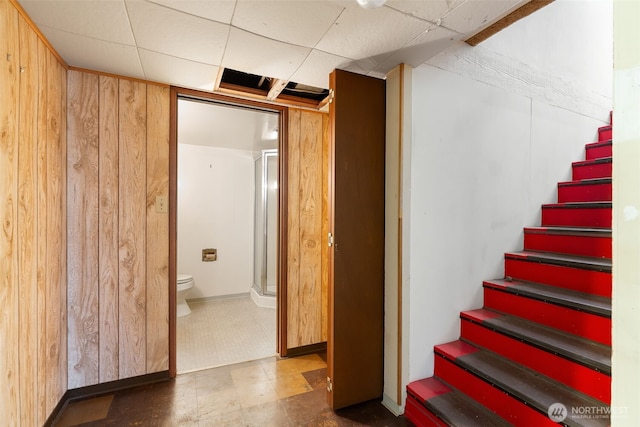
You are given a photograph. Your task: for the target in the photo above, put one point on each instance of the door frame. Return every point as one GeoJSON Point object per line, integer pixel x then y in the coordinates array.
{"type": "Point", "coordinates": [281, 279]}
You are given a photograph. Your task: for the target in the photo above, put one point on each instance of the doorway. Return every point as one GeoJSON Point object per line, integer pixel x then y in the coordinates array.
{"type": "Point", "coordinates": [226, 225]}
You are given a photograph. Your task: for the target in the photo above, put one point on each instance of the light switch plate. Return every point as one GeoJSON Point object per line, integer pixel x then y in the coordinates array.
{"type": "Point", "coordinates": [162, 205]}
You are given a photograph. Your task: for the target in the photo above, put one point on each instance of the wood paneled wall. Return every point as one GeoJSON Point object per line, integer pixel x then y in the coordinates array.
{"type": "Point", "coordinates": [33, 342]}
{"type": "Point", "coordinates": [118, 163]}
{"type": "Point", "coordinates": [307, 275]}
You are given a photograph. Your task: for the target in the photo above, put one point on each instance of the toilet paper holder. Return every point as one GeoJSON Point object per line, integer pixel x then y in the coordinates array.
{"type": "Point", "coordinates": [209, 255]}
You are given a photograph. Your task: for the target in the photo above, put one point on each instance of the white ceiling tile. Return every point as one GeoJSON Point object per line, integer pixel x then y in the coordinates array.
{"type": "Point", "coordinates": [94, 54]}
{"type": "Point", "coordinates": [218, 10]}
{"type": "Point", "coordinates": [421, 49]}
{"type": "Point", "coordinates": [177, 71]}
{"type": "Point", "coordinates": [168, 31]}
{"type": "Point", "coordinates": [100, 19]}
{"type": "Point", "coordinates": [298, 22]}
{"type": "Point", "coordinates": [361, 33]}
{"type": "Point", "coordinates": [474, 15]}
{"type": "Point", "coordinates": [265, 57]}
{"type": "Point", "coordinates": [316, 68]}
{"type": "Point", "coordinates": [431, 10]}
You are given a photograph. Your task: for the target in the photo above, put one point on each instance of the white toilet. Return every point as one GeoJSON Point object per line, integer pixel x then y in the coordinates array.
{"type": "Point", "coordinates": [185, 282]}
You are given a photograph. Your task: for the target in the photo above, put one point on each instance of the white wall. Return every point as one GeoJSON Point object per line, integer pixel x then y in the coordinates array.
{"type": "Point", "coordinates": [625, 364]}
{"type": "Point", "coordinates": [215, 210]}
{"type": "Point", "coordinates": [494, 128]}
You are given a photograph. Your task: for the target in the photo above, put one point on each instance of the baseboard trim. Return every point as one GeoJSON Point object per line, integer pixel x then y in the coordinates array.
{"type": "Point", "coordinates": [392, 406]}
{"type": "Point", "coordinates": [96, 390]}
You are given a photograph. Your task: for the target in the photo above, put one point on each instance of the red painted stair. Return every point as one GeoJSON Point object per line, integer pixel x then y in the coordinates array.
{"type": "Point", "coordinates": [543, 336]}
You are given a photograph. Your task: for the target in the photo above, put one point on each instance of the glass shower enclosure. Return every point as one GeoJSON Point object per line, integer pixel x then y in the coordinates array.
{"type": "Point", "coordinates": [266, 223]}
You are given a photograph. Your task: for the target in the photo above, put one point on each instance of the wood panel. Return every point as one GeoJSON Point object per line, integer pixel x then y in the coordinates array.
{"type": "Point", "coordinates": [56, 365]}
{"type": "Point", "coordinates": [9, 362]}
{"type": "Point", "coordinates": [82, 202]}
{"type": "Point", "coordinates": [325, 225]}
{"type": "Point", "coordinates": [33, 346]}
{"type": "Point", "coordinates": [27, 225]}
{"type": "Point", "coordinates": [108, 229]}
{"type": "Point", "coordinates": [157, 255]}
{"type": "Point", "coordinates": [305, 227]}
{"type": "Point", "coordinates": [132, 228]}
{"type": "Point", "coordinates": [293, 228]}
{"type": "Point", "coordinates": [42, 231]}
{"type": "Point", "coordinates": [118, 164]}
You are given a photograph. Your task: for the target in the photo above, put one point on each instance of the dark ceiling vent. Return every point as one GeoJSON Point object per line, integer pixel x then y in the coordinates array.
{"type": "Point", "coordinates": [271, 89]}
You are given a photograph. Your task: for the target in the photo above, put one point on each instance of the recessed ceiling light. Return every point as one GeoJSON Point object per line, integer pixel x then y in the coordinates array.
{"type": "Point", "coordinates": [370, 4]}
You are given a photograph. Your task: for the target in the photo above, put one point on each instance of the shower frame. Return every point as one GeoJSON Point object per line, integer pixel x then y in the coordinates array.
{"type": "Point", "coordinates": [262, 287]}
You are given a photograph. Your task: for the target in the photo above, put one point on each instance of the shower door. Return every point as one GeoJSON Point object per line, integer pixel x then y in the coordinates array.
{"type": "Point", "coordinates": [266, 222]}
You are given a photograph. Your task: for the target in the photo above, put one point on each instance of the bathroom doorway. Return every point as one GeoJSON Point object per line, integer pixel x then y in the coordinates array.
{"type": "Point", "coordinates": [227, 198]}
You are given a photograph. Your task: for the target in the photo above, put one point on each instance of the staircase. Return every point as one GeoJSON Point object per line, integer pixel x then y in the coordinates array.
{"type": "Point", "coordinates": [539, 352]}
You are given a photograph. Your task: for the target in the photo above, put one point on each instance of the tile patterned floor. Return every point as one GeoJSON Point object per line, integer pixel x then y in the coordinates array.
{"type": "Point", "coordinates": [268, 392]}
{"type": "Point", "coordinates": [224, 331]}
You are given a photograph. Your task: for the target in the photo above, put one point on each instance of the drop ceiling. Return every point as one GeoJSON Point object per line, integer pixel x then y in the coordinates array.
{"type": "Point", "coordinates": [187, 43]}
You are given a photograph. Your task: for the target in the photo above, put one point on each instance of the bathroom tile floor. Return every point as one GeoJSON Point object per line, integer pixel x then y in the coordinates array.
{"type": "Point", "coordinates": [224, 331]}
{"type": "Point", "coordinates": [267, 392]}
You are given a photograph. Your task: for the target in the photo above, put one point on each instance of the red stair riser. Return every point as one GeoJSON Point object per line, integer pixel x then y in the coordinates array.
{"type": "Point", "coordinates": [594, 151]}
{"type": "Point", "coordinates": [593, 246]}
{"type": "Point", "coordinates": [587, 281]}
{"type": "Point", "coordinates": [419, 415]}
{"type": "Point", "coordinates": [588, 381]}
{"type": "Point", "coordinates": [605, 133]}
{"type": "Point", "coordinates": [585, 193]}
{"type": "Point", "coordinates": [590, 326]}
{"type": "Point", "coordinates": [505, 406]}
{"type": "Point", "coordinates": [598, 170]}
{"type": "Point", "coordinates": [586, 217]}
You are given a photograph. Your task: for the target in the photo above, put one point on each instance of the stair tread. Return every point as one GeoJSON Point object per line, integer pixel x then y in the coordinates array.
{"type": "Point", "coordinates": [454, 407]}
{"type": "Point", "coordinates": [575, 261]}
{"type": "Point", "coordinates": [574, 231]}
{"type": "Point", "coordinates": [590, 162]}
{"type": "Point", "coordinates": [578, 205]}
{"type": "Point", "coordinates": [588, 181]}
{"type": "Point", "coordinates": [599, 143]}
{"type": "Point", "coordinates": [575, 348]}
{"type": "Point", "coordinates": [589, 303]}
{"type": "Point", "coordinates": [526, 385]}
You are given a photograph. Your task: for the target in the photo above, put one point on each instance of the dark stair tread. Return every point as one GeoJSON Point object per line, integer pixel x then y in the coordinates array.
{"type": "Point", "coordinates": [589, 181]}
{"type": "Point", "coordinates": [576, 300]}
{"type": "Point", "coordinates": [528, 386]}
{"type": "Point", "coordinates": [570, 231]}
{"type": "Point", "coordinates": [572, 347]}
{"type": "Point", "coordinates": [593, 162]}
{"type": "Point", "coordinates": [599, 143]}
{"type": "Point", "coordinates": [564, 260]}
{"type": "Point", "coordinates": [579, 205]}
{"type": "Point", "coordinates": [457, 409]}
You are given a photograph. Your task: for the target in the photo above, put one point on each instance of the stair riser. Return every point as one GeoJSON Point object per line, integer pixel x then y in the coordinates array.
{"type": "Point", "coordinates": [505, 406]}
{"type": "Point", "coordinates": [605, 134]}
{"type": "Point", "coordinates": [587, 281]}
{"type": "Point", "coordinates": [598, 170]}
{"type": "Point", "coordinates": [585, 193]}
{"type": "Point", "coordinates": [590, 326]}
{"type": "Point", "coordinates": [419, 415]}
{"type": "Point", "coordinates": [569, 244]}
{"type": "Point", "coordinates": [598, 151]}
{"type": "Point", "coordinates": [588, 381]}
{"type": "Point", "coordinates": [585, 217]}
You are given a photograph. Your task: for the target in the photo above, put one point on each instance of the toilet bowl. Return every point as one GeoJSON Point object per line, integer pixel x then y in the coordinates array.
{"type": "Point", "coordinates": [184, 283]}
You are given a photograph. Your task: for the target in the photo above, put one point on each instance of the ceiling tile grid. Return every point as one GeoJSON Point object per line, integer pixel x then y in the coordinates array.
{"type": "Point", "coordinates": [186, 42]}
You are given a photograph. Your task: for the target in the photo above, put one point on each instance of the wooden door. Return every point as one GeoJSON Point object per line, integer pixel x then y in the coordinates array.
{"type": "Point", "coordinates": [356, 274]}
